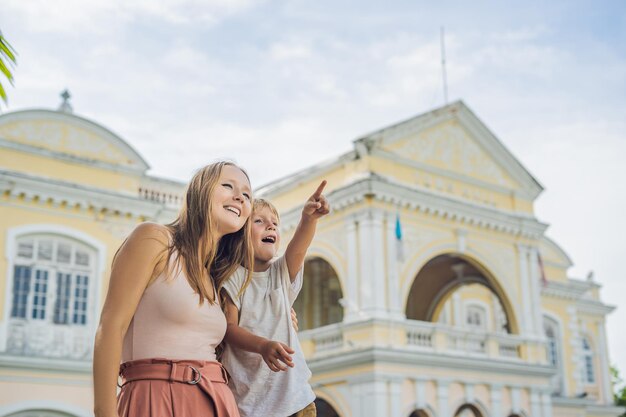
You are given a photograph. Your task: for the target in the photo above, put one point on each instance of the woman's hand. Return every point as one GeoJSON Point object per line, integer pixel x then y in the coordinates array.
{"type": "Point", "coordinates": [276, 355]}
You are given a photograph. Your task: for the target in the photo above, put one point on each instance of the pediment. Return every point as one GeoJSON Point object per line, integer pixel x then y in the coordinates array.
{"type": "Point", "coordinates": [65, 134]}
{"type": "Point", "coordinates": [452, 141]}
{"type": "Point", "coordinates": [448, 146]}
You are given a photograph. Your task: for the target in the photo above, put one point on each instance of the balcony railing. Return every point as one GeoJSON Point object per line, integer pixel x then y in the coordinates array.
{"type": "Point", "coordinates": [414, 335]}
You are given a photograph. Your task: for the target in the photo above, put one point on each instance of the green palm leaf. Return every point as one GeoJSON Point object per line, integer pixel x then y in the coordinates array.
{"type": "Point", "coordinates": [7, 58]}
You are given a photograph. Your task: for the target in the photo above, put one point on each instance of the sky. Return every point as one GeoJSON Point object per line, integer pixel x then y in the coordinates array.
{"type": "Point", "coordinates": [282, 85]}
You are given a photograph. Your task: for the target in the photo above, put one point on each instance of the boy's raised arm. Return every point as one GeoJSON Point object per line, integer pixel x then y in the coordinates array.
{"type": "Point", "coordinates": [314, 208]}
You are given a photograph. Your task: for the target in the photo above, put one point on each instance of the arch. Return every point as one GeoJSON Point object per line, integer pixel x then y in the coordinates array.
{"type": "Point", "coordinates": [12, 236]}
{"type": "Point", "coordinates": [325, 409]}
{"type": "Point", "coordinates": [474, 404]}
{"type": "Point", "coordinates": [27, 408]}
{"type": "Point", "coordinates": [318, 304]}
{"type": "Point", "coordinates": [132, 161]}
{"type": "Point", "coordinates": [468, 410]}
{"type": "Point", "coordinates": [459, 270]}
{"type": "Point", "coordinates": [425, 409]}
{"type": "Point", "coordinates": [330, 256]}
{"type": "Point", "coordinates": [477, 260]}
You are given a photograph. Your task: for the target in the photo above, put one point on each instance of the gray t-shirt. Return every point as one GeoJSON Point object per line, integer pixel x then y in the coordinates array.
{"type": "Point", "coordinates": [265, 310]}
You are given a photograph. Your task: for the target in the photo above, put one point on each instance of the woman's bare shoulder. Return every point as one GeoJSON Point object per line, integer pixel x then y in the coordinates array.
{"type": "Point", "coordinates": [149, 230]}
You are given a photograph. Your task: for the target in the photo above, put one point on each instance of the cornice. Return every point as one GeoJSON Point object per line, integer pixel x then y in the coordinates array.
{"type": "Point", "coordinates": [392, 356]}
{"type": "Point", "coordinates": [594, 307]}
{"type": "Point", "coordinates": [60, 193]}
{"type": "Point", "coordinates": [45, 364]}
{"type": "Point", "coordinates": [423, 201]}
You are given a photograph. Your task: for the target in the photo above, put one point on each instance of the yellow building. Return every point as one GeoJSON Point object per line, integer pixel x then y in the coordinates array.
{"type": "Point", "coordinates": [430, 290]}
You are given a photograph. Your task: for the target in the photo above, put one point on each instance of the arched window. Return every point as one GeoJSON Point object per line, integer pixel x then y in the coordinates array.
{"type": "Point", "coordinates": [52, 296]}
{"type": "Point", "coordinates": [553, 351]}
{"type": "Point", "coordinates": [589, 372]}
{"type": "Point", "coordinates": [476, 317]}
{"type": "Point", "coordinates": [419, 413]}
{"type": "Point", "coordinates": [318, 302]}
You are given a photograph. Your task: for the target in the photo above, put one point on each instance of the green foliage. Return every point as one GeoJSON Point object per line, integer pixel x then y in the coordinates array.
{"type": "Point", "coordinates": [620, 389]}
{"type": "Point", "coordinates": [7, 62]}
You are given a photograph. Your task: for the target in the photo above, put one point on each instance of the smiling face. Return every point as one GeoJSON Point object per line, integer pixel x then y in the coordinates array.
{"type": "Point", "coordinates": [230, 200]}
{"type": "Point", "coordinates": [265, 235]}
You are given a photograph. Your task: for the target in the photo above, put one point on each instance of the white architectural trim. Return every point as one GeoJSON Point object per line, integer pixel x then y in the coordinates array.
{"type": "Point", "coordinates": [330, 398]}
{"type": "Point", "coordinates": [416, 264]}
{"type": "Point", "coordinates": [10, 252]}
{"type": "Point", "coordinates": [26, 116]}
{"type": "Point", "coordinates": [32, 188]}
{"type": "Point", "coordinates": [562, 358]}
{"type": "Point", "coordinates": [44, 405]}
{"type": "Point", "coordinates": [454, 209]}
{"type": "Point", "coordinates": [482, 408]}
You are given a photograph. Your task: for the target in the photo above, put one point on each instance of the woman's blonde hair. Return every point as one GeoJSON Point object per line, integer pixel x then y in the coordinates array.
{"type": "Point", "coordinates": [195, 243]}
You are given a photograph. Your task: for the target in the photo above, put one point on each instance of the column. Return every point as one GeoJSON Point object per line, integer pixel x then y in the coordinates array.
{"type": "Point", "coordinates": [395, 398]}
{"type": "Point", "coordinates": [420, 393]}
{"type": "Point", "coordinates": [535, 403]}
{"type": "Point", "coordinates": [546, 404]}
{"type": "Point", "coordinates": [516, 399]}
{"type": "Point", "coordinates": [375, 398]}
{"type": "Point", "coordinates": [456, 306]}
{"type": "Point", "coordinates": [575, 343]}
{"type": "Point", "coordinates": [351, 303]}
{"type": "Point", "coordinates": [372, 272]}
{"type": "Point", "coordinates": [603, 354]}
{"type": "Point", "coordinates": [496, 400]}
{"type": "Point", "coordinates": [526, 319]}
{"type": "Point", "coordinates": [393, 277]}
{"type": "Point", "coordinates": [535, 288]}
{"type": "Point", "coordinates": [442, 398]}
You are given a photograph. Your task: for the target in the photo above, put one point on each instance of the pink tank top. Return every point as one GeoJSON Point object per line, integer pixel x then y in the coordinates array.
{"type": "Point", "coordinates": [169, 323]}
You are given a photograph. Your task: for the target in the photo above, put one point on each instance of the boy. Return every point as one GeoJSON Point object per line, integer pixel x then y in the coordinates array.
{"type": "Point", "coordinates": [259, 326]}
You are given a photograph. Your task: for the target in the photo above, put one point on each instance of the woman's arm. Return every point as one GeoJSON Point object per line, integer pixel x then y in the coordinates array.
{"type": "Point", "coordinates": [140, 257]}
{"type": "Point", "coordinates": [273, 352]}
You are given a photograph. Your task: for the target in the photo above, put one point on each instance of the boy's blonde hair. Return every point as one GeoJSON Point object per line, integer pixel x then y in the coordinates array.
{"type": "Point", "coordinates": [260, 204]}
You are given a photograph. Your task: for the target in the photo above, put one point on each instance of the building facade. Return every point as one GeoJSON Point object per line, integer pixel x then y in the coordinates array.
{"type": "Point", "coordinates": [430, 290]}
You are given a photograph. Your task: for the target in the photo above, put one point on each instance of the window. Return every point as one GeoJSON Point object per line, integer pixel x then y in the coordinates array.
{"type": "Point", "coordinates": [475, 317]}
{"type": "Point", "coordinates": [553, 353]}
{"type": "Point", "coordinates": [51, 280]}
{"type": "Point", "coordinates": [589, 373]}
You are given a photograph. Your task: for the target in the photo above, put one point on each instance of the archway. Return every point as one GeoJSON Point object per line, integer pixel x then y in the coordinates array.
{"type": "Point", "coordinates": [324, 409]}
{"type": "Point", "coordinates": [458, 291]}
{"type": "Point", "coordinates": [468, 410]}
{"type": "Point", "coordinates": [419, 413]}
{"type": "Point", "coordinates": [40, 413]}
{"type": "Point", "coordinates": [318, 302]}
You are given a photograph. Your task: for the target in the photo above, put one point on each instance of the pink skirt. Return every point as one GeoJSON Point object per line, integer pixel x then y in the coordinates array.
{"type": "Point", "coordinates": [175, 388]}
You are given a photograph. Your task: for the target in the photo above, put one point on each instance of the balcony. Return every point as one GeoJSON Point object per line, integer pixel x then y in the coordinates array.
{"type": "Point", "coordinates": [419, 336]}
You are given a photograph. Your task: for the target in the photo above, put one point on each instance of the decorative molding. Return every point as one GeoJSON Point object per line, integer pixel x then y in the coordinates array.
{"type": "Point", "coordinates": [390, 355]}
{"type": "Point", "coordinates": [71, 195]}
{"type": "Point", "coordinates": [38, 405]}
{"type": "Point", "coordinates": [422, 201]}
{"type": "Point", "coordinates": [41, 115]}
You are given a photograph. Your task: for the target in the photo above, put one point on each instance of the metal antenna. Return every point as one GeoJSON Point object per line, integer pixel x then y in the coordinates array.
{"type": "Point", "coordinates": [443, 68]}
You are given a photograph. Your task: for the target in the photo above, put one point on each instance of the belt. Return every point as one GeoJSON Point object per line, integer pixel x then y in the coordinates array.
{"type": "Point", "coordinates": [192, 372]}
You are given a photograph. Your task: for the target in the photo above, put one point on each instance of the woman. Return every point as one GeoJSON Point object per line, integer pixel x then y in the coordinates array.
{"type": "Point", "coordinates": [162, 318]}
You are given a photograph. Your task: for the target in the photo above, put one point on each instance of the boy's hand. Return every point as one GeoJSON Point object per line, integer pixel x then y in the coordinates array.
{"type": "Point", "coordinates": [274, 353]}
{"type": "Point", "coordinates": [317, 205]}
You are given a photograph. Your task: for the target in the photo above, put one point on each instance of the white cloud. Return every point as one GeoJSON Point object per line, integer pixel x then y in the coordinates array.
{"type": "Point", "coordinates": [102, 16]}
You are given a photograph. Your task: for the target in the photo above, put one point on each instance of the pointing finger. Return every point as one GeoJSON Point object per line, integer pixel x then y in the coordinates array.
{"type": "Point", "coordinates": [319, 190]}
